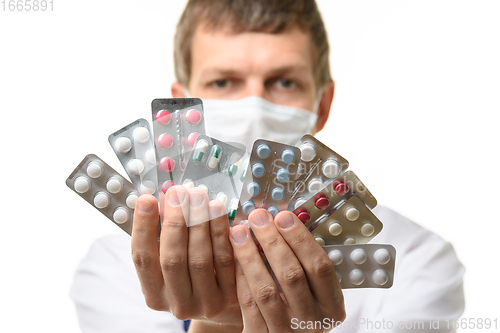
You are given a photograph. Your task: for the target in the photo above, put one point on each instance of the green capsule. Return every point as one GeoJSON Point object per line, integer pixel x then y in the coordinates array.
{"type": "Point", "coordinates": [234, 161]}
{"type": "Point", "coordinates": [232, 170]}
{"type": "Point", "coordinates": [213, 159]}
{"type": "Point", "coordinates": [233, 207]}
{"type": "Point", "coordinates": [199, 150]}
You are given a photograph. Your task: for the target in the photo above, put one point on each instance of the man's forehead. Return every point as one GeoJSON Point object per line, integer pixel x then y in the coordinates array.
{"type": "Point", "coordinates": [223, 50]}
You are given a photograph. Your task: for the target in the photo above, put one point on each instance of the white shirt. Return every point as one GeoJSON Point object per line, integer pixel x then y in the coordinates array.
{"type": "Point", "coordinates": [427, 287]}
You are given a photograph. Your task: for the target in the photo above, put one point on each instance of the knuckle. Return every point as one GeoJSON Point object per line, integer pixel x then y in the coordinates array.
{"type": "Point", "coordinates": [142, 259]}
{"type": "Point", "coordinates": [248, 259]}
{"type": "Point", "coordinates": [301, 238]}
{"type": "Point", "coordinates": [322, 267]}
{"type": "Point", "coordinates": [293, 275]}
{"type": "Point", "coordinates": [199, 263]}
{"type": "Point", "coordinates": [212, 311]}
{"type": "Point", "coordinates": [247, 301]}
{"type": "Point", "coordinates": [140, 227]}
{"type": "Point", "coordinates": [171, 262]}
{"type": "Point", "coordinates": [274, 241]}
{"type": "Point", "coordinates": [170, 223]}
{"type": "Point", "coordinates": [183, 309]}
{"type": "Point", "coordinates": [154, 303]}
{"type": "Point", "coordinates": [266, 294]}
{"type": "Point", "coordinates": [218, 230]}
{"type": "Point", "coordinates": [197, 227]}
{"type": "Point", "coordinates": [239, 273]}
{"type": "Point", "coordinates": [181, 313]}
{"type": "Point", "coordinates": [224, 260]}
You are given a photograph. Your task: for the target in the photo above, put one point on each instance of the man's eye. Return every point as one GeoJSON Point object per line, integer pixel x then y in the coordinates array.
{"type": "Point", "coordinates": [286, 83]}
{"type": "Point", "coordinates": [221, 83]}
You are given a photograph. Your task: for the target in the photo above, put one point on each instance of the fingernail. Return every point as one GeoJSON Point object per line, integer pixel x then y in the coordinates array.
{"type": "Point", "coordinates": [215, 210]}
{"type": "Point", "coordinates": [144, 207]}
{"type": "Point", "coordinates": [196, 199]}
{"type": "Point", "coordinates": [285, 221]}
{"type": "Point", "coordinates": [259, 219]}
{"type": "Point", "coordinates": [239, 235]}
{"type": "Point", "coordinates": [176, 195]}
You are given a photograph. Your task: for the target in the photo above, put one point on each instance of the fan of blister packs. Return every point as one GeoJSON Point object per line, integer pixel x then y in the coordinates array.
{"type": "Point", "coordinates": [309, 179]}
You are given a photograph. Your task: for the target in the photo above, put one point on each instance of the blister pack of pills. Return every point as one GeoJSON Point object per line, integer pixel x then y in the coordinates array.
{"type": "Point", "coordinates": [319, 165]}
{"type": "Point", "coordinates": [219, 168]}
{"type": "Point", "coordinates": [325, 201]}
{"type": "Point", "coordinates": [177, 122]}
{"type": "Point", "coordinates": [351, 223]}
{"type": "Point", "coordinates": [363, 265]}
{"type": "Point", "coordinates": [105, 189]}
{"type": "Point", "coordinates": [269, 179]}
{"type": "Point", "coordinates": [134, 147]}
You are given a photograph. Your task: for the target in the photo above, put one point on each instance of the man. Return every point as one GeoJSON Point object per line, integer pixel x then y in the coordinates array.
{"type": "Point", "coordinates": [262, 69]}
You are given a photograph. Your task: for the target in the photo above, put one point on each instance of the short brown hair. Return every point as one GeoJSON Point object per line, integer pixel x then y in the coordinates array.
{"type": "Point", "coordinates": [272, 16]}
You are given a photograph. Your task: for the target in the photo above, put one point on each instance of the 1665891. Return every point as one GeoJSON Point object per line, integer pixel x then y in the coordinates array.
{"type": "Point", "coordinates": [27, 5]}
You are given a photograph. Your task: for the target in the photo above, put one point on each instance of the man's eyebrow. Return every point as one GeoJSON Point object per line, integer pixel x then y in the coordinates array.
{"type": "Point", "coordinates": [289, 69]}
{"type": "Point", "coordinates": [220, 72]}
{"type": "Point", "coordinates": [230, 72]}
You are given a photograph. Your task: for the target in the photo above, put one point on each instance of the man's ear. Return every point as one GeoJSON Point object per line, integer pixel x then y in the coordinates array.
{"type": "Point", "coordinates": [324, 105]}
{"type": "Point", "coordinates": [177, 90]}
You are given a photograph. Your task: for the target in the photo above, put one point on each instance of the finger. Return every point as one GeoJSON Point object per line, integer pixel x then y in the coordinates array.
{"type": "Point", "coordinates": [200, 259]}
{"type": "Point", "coordinates": [173, 249]}
{"type": "Point", "coordinates": [284, 264]}
{"type": "Point", "coordinates": [145, 250]}
{"type": "Point", "coordinates": [252, 318]}
{"type": "Point", "coordinates": [318, 267]}
{"type": "Point", "coordinates": [221, 248]}
{"type": "Point", "coordinates": [261, 284]}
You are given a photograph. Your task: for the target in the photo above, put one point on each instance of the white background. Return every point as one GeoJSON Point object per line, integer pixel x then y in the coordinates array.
{"type": "Point", "coordinates": [415, 113]}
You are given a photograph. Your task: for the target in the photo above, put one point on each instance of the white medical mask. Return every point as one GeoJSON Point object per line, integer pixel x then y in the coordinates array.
{"type": "Point", "coordinates": [247, 119]}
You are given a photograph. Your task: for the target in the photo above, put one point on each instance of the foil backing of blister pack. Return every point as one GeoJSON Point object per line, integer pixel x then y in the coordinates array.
{"type": "Point", "coordinates": [351, 223]}
{"type": "Point", "coordinates": [134, 147]}
{"type": "Point", "coordinates": [319, 165]}
{"type": "Point", "coordinates": [105, 189]}
{"type": "Point", "coordinates": [219, 168]}
{"type": "Point", "coordinates": [325, 201]}
{"type": "Point", "coordinates": [363, 265]}
{"type": "Point", "coordinates": [177, 122]}
{"type": "Point", "coordinates": [269, 179]}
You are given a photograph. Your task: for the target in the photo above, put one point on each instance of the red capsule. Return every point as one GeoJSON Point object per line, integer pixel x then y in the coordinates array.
{"type": "Point", "coordinates": [341, 189]}
{"type": "Point", "coordinates": [304, 216]}
{"type": "Point", "coordinates": [322, 203]}
{"type": "Point", "coordinates": [163, 117]}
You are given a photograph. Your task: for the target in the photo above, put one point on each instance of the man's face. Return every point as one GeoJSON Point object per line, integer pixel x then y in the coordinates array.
{"type": "Point", "coordinates": [277, 67]}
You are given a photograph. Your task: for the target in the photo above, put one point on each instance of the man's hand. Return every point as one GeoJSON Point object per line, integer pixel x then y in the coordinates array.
{"type": "Point", "coordinates": [311, 290]}
{"type": "Point", "coordinates": [190, 272]}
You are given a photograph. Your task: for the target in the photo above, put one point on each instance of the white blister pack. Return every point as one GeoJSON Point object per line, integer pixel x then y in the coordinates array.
{"type": "Point", "coordinates": [351, 223]}
{"type": "Point", "coordinates": [324, 203]}
{"type": "Point", "coordinates": [319, 165]}
{"type": "Point", "coordinates": [363, 265]}
{"type": "Point", "coordinates": [177, 122]}
{"type": "Point", "coordinates": [219, 168]}
{"type": "Point", "coordinates": [105, 189]}
{"type": "Point", "coordinates": [269, 179]}
{"type": "Point", "coordinates": [134, 147]}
